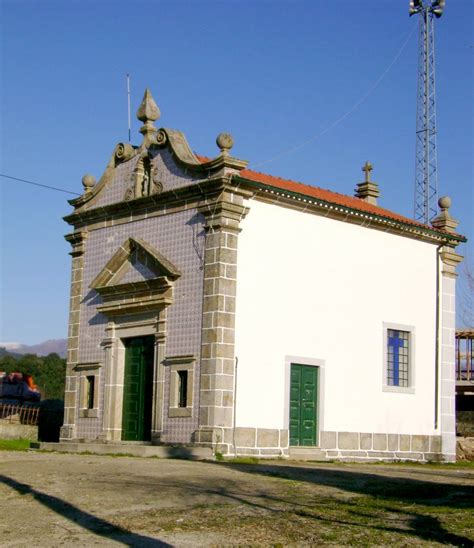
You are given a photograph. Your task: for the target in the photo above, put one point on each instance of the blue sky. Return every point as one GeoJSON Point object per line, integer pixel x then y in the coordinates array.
{"type": "Point", "coordinates": [272, 73]}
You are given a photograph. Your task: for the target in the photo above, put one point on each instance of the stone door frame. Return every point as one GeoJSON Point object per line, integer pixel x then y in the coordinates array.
{"type": "Point", "coordinates": [119, 328]}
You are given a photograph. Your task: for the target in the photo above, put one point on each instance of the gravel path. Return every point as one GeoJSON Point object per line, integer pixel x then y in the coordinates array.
{"type": "Point", "coordinates": [86, 500]}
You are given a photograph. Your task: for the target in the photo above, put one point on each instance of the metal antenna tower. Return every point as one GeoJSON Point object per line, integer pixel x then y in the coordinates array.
{"type": "Point", "coordinates": [426, 176]}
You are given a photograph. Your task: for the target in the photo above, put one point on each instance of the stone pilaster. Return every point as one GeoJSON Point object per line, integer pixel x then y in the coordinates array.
{"type": "Point", "coordinates": [112, 418]}
{"type": "Point", "coordinates": [447, 367]}
{"type": "Point", "coordinates": [77, 241]}
{"type": "Point", "coordinates": [159, 378]}
{"type": "Point", "coordinates": [216, 407]}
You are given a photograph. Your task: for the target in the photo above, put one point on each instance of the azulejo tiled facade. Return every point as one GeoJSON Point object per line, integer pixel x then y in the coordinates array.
{"type": "Point", "coordinates": [170, 309]}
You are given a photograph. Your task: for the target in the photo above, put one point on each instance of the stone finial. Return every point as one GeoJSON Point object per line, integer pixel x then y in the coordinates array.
{"type": "Point", "coordinates": [88, 182]}
{"type": "Point", "coordinates": [443, 220]}
{"type": "Point", "coordinates": [225, 142]}
{"type": "Point", "coordinates": [148, 112]}
{"type": "Point", "coordinates": [368, 190]}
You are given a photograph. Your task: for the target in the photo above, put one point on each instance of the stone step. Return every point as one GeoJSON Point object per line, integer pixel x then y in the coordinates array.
{"type": "Point", "coordinates": [133, 449]}
{"type": "Point", "coordinates": [307, 453]}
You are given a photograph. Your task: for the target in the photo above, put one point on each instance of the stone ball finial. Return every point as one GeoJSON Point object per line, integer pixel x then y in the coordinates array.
{"type": "Point", "coordinates": [444, 202]}
{"type": "Point", "coordinates": [88, 182]}
{"type": "Point", "coordinates": [225, 142]}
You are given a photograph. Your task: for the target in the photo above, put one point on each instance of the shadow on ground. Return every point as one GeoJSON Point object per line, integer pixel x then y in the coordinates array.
{"type": "Point", "coordinates": [399, 496]}
{"type": "Point", "coordinates": [402, 489]}
{"type": "Point", "coordinates": [88, 521]}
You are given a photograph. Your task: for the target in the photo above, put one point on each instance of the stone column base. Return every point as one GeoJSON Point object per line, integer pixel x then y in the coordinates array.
{"type": "Point", "coordinates": [208, 435]}
{"type": "Point", "coordinates": [156, 438]}
{"type": "Point", "coordinates": [67, 433]}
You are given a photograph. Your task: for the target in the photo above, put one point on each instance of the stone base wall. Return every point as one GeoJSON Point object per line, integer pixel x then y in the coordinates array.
{"type": "Point", "coordinates": [364, 446]}
{"type": "Point", "coordinates": [341, 446]}
{"type": "Point", "coordinates": [259, 442]}
{"type": "Point", "coordinates": [344, 446]}
{"type": "Point", "coordinates": [239, 442]}
{"type": "Point", "coordinates": [12, 431]}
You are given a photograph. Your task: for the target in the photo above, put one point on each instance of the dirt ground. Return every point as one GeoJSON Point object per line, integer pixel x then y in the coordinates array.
{"type": "Point", "coordinates": [85, 500]}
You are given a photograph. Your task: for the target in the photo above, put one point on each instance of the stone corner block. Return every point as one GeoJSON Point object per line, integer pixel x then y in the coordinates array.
{"type": "Point", "coordinates": [435, 444]}
{"type": "Point", "coordinates": [365, 441]}
{"type": "Point", "coordinates": [328, 440]}
{"type": "Point", "coordinates": [393, 442]}
{"type": "Point", "coordinates": [267, 437]}
{"type": "Point", "coordinates": [284, 435]}
{"type": "Point", "coordinates": [380, 442]}
{"type": "Point", "coordinates": [348, 440]}
{"type": "Point", "coordinates": [245, 437]}
{"type": "Point", "coordinates": [420, 443]}
{"type": "Point", "coordinates": [405, 442]}
{"type": "Point", "coordinates": [67, 433]}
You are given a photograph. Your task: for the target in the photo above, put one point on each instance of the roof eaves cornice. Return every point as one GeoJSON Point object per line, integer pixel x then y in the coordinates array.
{"type": "Point", "coordinates": [337, 210]}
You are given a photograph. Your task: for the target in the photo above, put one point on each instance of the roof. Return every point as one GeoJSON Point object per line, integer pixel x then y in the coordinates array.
{"type": "Point", "coordinates": [325, 195]}
{"type": "Point", "coordinates": [321, 194]}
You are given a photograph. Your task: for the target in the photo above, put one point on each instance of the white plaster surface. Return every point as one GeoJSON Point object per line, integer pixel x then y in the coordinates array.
{"type": "Point", "coordinates": [316, 287]}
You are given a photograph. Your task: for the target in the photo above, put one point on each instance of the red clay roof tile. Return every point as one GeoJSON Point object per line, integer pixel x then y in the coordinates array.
{"type": "Point", "coordinates": [325, 195]}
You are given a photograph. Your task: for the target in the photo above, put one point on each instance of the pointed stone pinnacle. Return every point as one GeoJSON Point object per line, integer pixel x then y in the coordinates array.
{"type": "Point", "coordinates": [148, 110]}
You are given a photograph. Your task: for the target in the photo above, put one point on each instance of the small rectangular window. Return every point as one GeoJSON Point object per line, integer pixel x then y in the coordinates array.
{"type": "Point", "coordinates": [90, 389]}
{"type": "Point", "coordinates": [398, 358]}
{"type": "Point", "coordinates": [182, 388]}
{"type": "Point", "coordinates": [181, 380]}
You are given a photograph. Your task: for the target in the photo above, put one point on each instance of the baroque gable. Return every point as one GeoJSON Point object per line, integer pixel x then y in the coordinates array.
{"type": "Point", "coordinates": [163, 163]}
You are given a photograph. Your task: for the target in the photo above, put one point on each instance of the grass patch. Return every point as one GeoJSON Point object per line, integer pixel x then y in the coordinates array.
{"type": "Point", "coordinates": [440, 465]}
{"type": "Point", "coordinates": [395, 464]}
{"type": "Point", "coordinates": [14, 445]}
{"type": "Point", "coordinates": [243, 460]}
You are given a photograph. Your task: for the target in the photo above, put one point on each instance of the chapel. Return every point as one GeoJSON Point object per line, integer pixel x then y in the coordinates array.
{"type": "Point", "coordinates": [215, 306]}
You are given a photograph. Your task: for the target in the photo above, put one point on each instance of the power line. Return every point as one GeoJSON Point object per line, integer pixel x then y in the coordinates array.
{"type": "Point", "coordinates": [39, 184]}
{"type": "Point", "coordinates": [346, 114]}
{"type": "Point", "coordinates": [292, 149]}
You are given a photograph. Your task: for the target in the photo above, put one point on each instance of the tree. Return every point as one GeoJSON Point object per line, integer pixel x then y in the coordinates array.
{"type": "Point", "coordinates": [48, 372]}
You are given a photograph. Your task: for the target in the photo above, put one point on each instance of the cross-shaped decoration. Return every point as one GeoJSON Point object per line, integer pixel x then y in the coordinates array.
{"type": "Point", "coordinates": [396, 343]}
{"type": "Point", "coordinates": [367, 168]}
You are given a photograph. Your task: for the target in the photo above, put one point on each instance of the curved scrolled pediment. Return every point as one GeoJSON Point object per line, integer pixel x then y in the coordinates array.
{"type": "Point", "coordinates": [123, 152]}
{"type": "Point", "coordinates": [163, 162]}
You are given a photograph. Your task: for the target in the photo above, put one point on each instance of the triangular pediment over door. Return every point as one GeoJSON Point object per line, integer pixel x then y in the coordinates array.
{"type": "Point", "coordinates": [137, 278]}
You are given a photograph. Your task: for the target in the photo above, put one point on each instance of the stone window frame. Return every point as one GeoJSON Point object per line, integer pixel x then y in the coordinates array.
{"type": "Point", "coordinates": [176, 364]}
{"type": "Point", "coordinates": [311, 362]}
{"type": "Point", "coordinates": [88, 369]}
{"type": "Point", "coordinates": [410, 329]}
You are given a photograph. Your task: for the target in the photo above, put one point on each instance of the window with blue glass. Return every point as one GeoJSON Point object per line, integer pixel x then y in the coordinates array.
{"type": "Point", "coordinates": [398, 357]}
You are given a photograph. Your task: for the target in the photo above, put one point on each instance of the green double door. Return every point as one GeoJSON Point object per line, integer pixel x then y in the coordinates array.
{"type": "Point", "coordinates": [138, 389]}
{"type": "Point", "coordinates": [303, 405]}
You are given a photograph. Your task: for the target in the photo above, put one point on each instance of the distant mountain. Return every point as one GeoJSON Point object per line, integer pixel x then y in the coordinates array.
{"type": "Point", "coordinates": [42, 349]}
{"type": "Point", "coordinates": [5, 352]}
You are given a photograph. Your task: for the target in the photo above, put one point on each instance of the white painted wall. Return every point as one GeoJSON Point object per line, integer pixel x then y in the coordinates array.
{"type": "Point", "coordinates": [319, 288]}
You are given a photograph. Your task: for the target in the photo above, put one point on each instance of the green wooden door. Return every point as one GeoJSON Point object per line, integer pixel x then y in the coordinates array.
{"type": "Point", "coordinates": [303, 405]}
{"type": "Point", "coordinates": [138, 389]}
